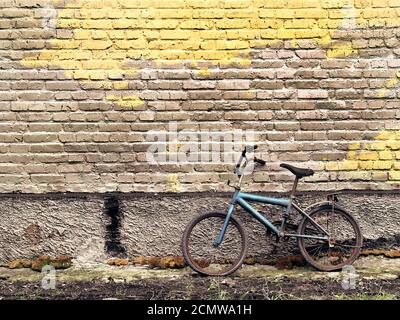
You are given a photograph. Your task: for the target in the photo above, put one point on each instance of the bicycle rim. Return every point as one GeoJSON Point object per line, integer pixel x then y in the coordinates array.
{"type": "Point", "coordinates": [345, 239]}
{"type": "Point", "coordinates": [202, 256]}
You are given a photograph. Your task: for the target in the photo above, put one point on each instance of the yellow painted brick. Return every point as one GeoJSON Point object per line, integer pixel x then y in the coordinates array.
{"type": "Point", "coordinates": [378, 145]}
{"type": "Point", "coordinates": [99, 34]}
{"type": "Point", "coordinates": [382, 165]}
{"type": "Point", "coordinates": [99, 64]}
{"type": "Point", "coordinates": [368, 155]}
{"type": "Point", "coordinates": [115, 13]}
{"type": "Point", "coordinates": [129, 34]}
{"type": "Point", "coordinates": [299, 23]}
{"type": "Point", "coordinates": [236, 3]}
{"type": "Point", "coordinates": [327, 23]}
{"type": "Point", "coordinates": [309, 33]}
{"type": "Point", "coordinates": [190, 44]}
{"type": "Point", "coordinates": [331, 4]}
{"type": "Point", "coordinates": [119, 34]}
{"type": "Point", "coordinates": [378, 22]}
{"type": "Point", "coordinates": [230, 44]}
{"type": "Point", "coordinates": [266, 23]}
{"type": "Point", "coordinates": [126, 24]}
{"type": "Point", "coordinates": [46, 55]}
{"type": "Point", "coordinates": [341, 50]}
{"type": "Point", "coordinates": [97, 24]}
{"type": "Point", "coordinates": [136, 44]}
{"type": "Point", "coordinates": [212, 34]}
{"type": "Point", "coordinates": [66, 13]}
{"type": "Point", "coordinates": [133, 4]}
{"type": "Point", "coordinates": [378, 13]}
{"type": "Point", "coordinates": [94, 4]}
{"type": "Point", "coordinates": [394, 22]}
{"type": "Point", "coordinates": [64, 44]}
{"type": "Point", "coordinates": [380, 3]}
{"type": "Point", "coordinates": [397, 154]}
{"type": "Point", "coordinates": [348, 165]}
{"type": "Point", "coordinates": [74, 54]}
{"type": "Point", "coordinates": [311, 13]}
{"type": "Point", "coordinates": [394, 175]}
{"type": "Point", "coordinates": [182, 13]}
{"type": "Point", "coordinates": [385, 155]}
{"type": "Point", "coordinates": [396, 165]}
{"type": "Point", "coordinates": [196, 24]}
{"type": "Point", "coordinates": [386, 135]}
{"type": "Point", "coordinates": [162, 24]}
{"type": "Point", "coordinates": [286, 33]}
{"type": "Point", "coordinates": [209, 54]}
{"type": "Point", "coordinates": [98, 13]}
{"type": "Point", "coordinates": [303, 4]}
{"type": "Point", "coordinates": [174, 34]}
{"type": "Point", "coordinates": [67, 64]}
{"type": "Point", "coordinates": [332, 166]}
{"type": "Point", "coordinates": [121, 85]}
{"type": "Point", "coordinates": [36, 63]}
{"type": "Point", "coordinates": [97, 75]}
{"type": "Point", "coordinates": [208, 14]}
{"type": "Point", "coordinates": [272, 3]}
{"type": "Point", "coordinates": [80, 74]}
{"type": "Point", "coordinates": [354, 146]}
{"type": "Point", "coordinates": [232, 24]}
{"type": "Point", "coordinates": [96, 44]}
{"type": "Point", "coordinates": [200, 3]}
{"type": "Point", "coordinates": [366, 165]}
{"type": "Point", "coordinates": [394, 145]}
{"type": "Point", "coordinates": [115, 74]}
{"type": "Point", "coordinates": [240, 13]}
{"type": "Point", "coordinates": [242, 34]}
{"type": "Point", "coordinates": [351, 155]}
{"type": "Point", "coordinates": [68, 23]}
{"type": "Point", "coordinates": [80, 34]}
{"type": "Point", "coordinates": [267, 13]}
{"type": "Point", "coordinates": [285, 14]}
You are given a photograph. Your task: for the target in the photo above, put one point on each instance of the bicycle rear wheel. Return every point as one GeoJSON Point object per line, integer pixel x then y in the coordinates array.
{"type": "Point", "coordinates": [198, 249]}
{"type": "Point", "coordinates": [344, 243]}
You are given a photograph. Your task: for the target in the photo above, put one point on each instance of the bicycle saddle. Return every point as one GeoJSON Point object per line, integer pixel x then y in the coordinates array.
{"type": "Point", "coordinates": [298, 172]}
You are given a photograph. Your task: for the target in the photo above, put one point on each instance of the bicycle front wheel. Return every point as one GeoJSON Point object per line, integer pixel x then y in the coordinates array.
{"type": "Point", "coordinates": [200, 253]}
{"type": "Point", "coordinates": [344, 238]}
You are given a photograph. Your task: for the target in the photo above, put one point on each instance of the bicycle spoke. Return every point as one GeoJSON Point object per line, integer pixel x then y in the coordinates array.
{"type": "Point", "coordinates": [201, 253]}
{"type": "Point", "coordinates": [343, 245]}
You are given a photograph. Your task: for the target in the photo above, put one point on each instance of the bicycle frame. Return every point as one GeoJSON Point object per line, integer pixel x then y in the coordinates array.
{"type": "Point", "coordinates": [241, 198]}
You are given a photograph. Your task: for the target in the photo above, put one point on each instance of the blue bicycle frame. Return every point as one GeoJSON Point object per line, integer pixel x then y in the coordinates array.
{"type": "Point", "coordinates": [241, 198]}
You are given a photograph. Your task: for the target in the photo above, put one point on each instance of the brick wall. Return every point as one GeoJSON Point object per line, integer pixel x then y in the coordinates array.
{"type": "Point", "coordinates": [82, 82]}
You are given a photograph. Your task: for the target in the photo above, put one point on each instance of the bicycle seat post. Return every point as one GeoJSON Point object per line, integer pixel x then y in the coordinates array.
{"type": "Point", "coordinates": [293, 192]}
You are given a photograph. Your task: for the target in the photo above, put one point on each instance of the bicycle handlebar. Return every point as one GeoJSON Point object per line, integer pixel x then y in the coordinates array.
{"type": "Point", "coordinates": [243, 155]}
{"type": "Point", "coordinates": [260, 161]}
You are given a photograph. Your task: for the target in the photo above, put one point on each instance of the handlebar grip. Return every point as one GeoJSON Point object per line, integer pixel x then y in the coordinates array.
{"type": "Point", "coordinates": [260, 161]}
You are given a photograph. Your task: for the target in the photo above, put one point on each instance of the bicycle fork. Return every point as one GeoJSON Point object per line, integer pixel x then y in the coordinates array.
{"type": "Point", "coordinates": [218, 240]}
{"type": "Point", "coordinates": [221, 234]}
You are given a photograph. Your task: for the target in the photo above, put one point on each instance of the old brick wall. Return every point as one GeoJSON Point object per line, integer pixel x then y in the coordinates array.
{"type": "Point", "coordinates": [81, 83]}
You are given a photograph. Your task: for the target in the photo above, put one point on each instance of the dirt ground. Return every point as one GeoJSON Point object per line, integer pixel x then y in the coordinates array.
{"type": "Point", "coordinates": [375, 278]}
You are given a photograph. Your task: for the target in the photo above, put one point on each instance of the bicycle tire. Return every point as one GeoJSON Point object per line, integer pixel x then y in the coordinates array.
{"type": "Point", "coordinates": [200, 266]}
{"type": "Point", "coordinates": [355, 248]}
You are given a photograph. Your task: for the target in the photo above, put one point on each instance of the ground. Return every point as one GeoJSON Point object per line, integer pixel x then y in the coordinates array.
{"type": "Point", "coordinates": [376, 278]}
